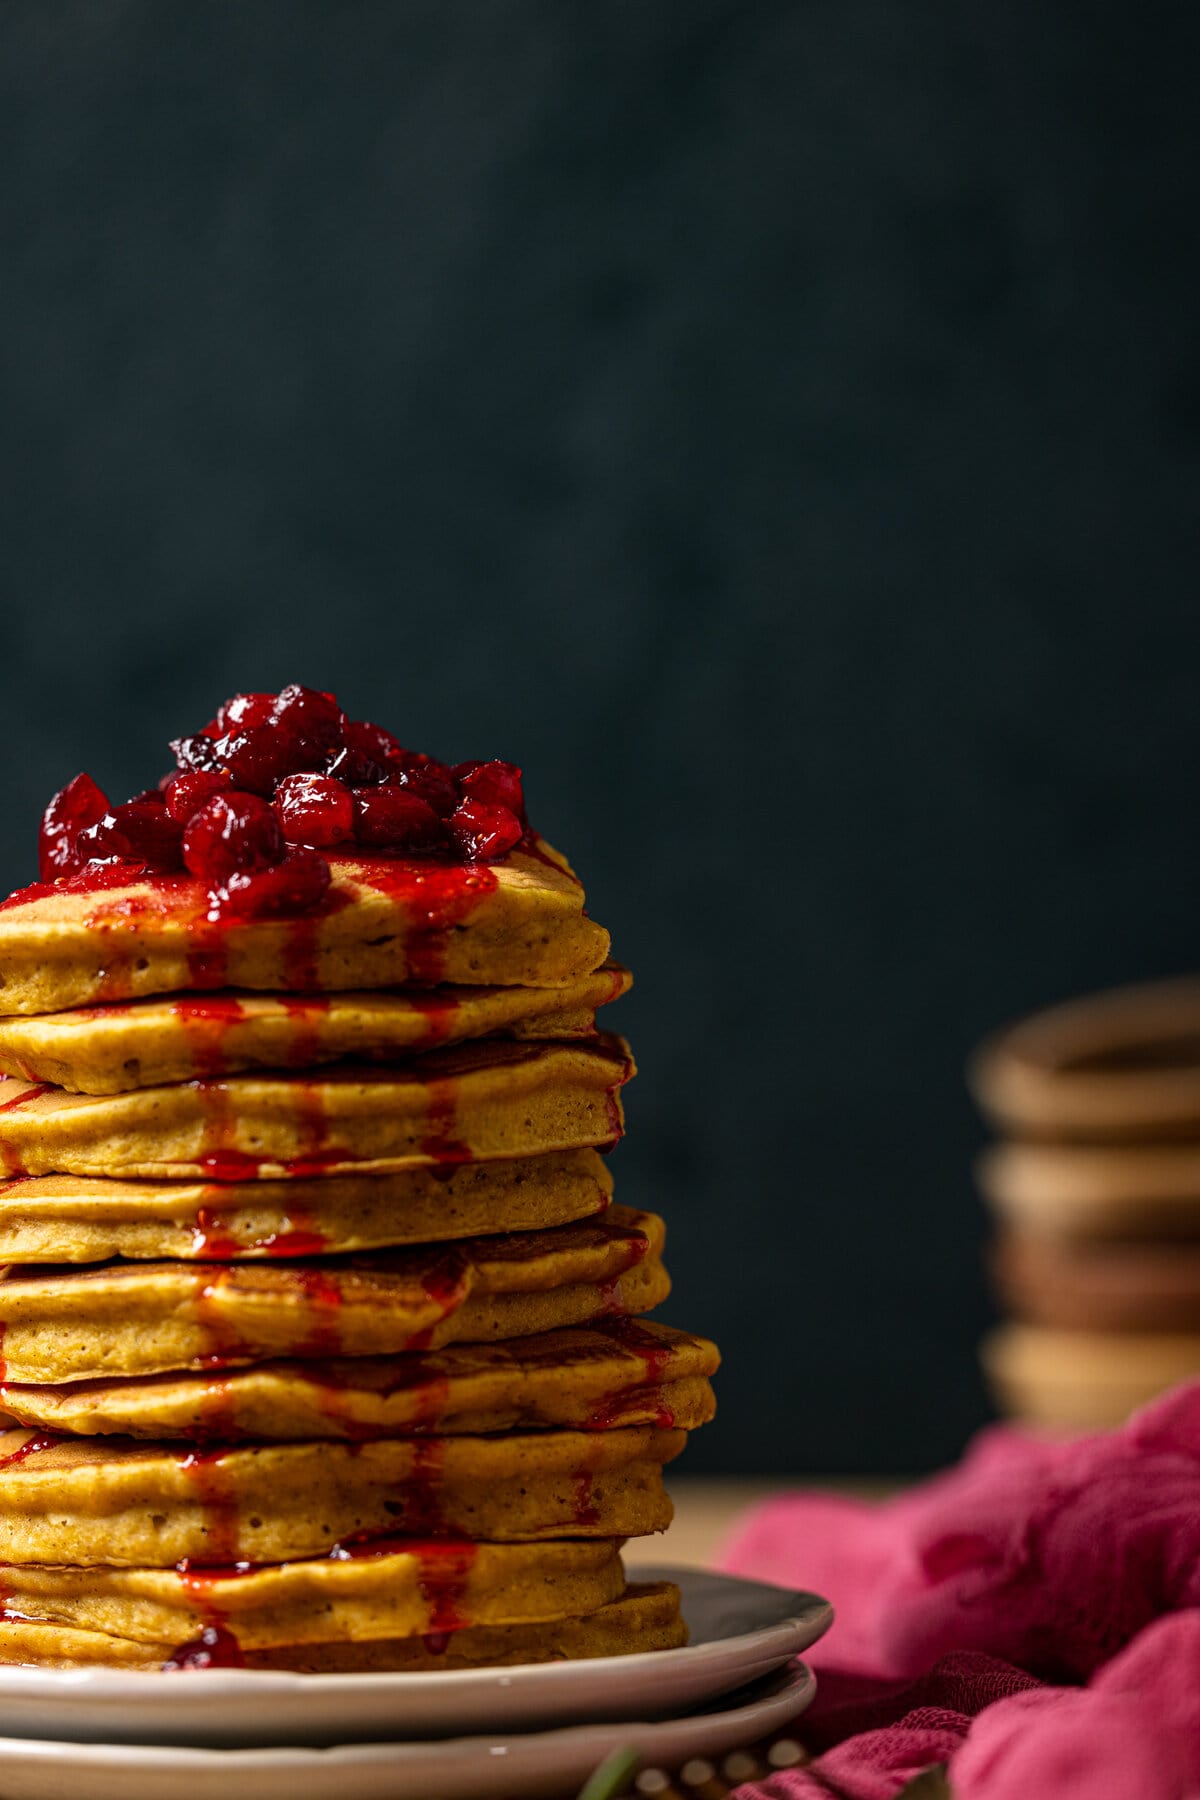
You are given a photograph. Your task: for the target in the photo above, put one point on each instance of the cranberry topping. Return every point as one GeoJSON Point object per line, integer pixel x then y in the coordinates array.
{"type": "Point", "coordinates": [256, 758]}
{"type": "Point", "coordinates": [271, 781]}
{"type": "Point", "coordinates": [394, 818]}
{"type": "Point", "coordinates": [315, 809]}
{"type": "Point", "coordinates": [240, 713]}
{"type": "Point", "coordinates": [295, 885]}
{"type": "Point", "coordinates": [186, 791]}
{"type": "Point", "coordinates": [80, 804]}
{"type": "Point", "coordinates": [232, 833]}
{"type": "Point", "coordinates": [495, 783]}
{"type": "Point", "coordinates": [484, 832]}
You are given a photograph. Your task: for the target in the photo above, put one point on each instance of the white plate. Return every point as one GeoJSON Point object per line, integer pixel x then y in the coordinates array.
{"type": "Point", "coordinates": [740, 1630]}
{"type": "Point", "coordinates": [541, 1765]}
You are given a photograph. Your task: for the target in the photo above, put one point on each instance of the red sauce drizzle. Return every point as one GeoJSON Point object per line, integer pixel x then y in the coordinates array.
{"type": "Point", "coordinates": [435, 896]}
{"type": "Point", "coordinates": [306, 1015]}
{"type": "Point", "coordinates": [215, 1648]}
{"type": "Point", "coordinates": [323, 1300]}
{"type": "Point", "coordinates": [616, 1408]}
{"type": "Point", "coordinates": [207, 1023]}
{"type": "Point", "coordinates": [438, 1141]}
{"type": "Point", "coordinates": [439, 1010]}
{"type": "Point", "coordinates": [32, 1093]}
{"type": "Point", "coordinates": [444, 1568]}
{"type": "Point", "coordinates": [447, 1283]}
{"type": "Point", "coordinates": [44, 1440]}
{"type": "Point", "coordinates": [210, 1239]}
{"type": "Point", "coordinates": [219, 1508]}
{"type": "Point", "coordinates": [221, 1160]}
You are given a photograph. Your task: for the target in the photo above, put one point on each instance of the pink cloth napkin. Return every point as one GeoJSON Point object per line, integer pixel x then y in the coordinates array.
{"type": "Point", "coordinates": [1031, 1618]}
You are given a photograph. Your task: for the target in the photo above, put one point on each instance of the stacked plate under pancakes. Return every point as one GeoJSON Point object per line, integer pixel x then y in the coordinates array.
{"type": "Point", "coordinates": [323, 1334]}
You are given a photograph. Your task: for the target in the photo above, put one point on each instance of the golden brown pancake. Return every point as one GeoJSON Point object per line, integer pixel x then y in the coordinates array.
{"type": "Point", "coordinates": [1113, 1066]}
{"type": "Point", "coordinates": [115, 1502]}
{"type": "Point", "coordinates": [468, 1103]}
{"type": "Point", "coordinates": [147, 1043]}
{"type": "Point", "coordinates": [82, 1218]}
{"type": "Point", "coordinates": [613, 1373]}
{"type": "Point", "coordinates": [1082, 1286]}
{"type": "Point", "coordinates": [389, 1591]}
{"type": "Point", "coordinates": [385, 921]}
{"type": "Point", "coordinates": [1088, 1190]}
{"type": "Point", "coordinates": [646, 1617]}
{"type": "Point", "coordinates": [1084, 1380]}
{"type": "Point", "coordinates": [139, 1318]}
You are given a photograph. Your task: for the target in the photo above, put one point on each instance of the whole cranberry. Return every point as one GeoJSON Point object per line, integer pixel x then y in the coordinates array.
{"type": "Point", "coordinates": [240, 713]}
{"type": "Point", "coordinates": [292, 886]}
{"type": "Point", "coordinates": [314, 809]}
{"type": "Point", "coordinates": [495, 783]}
{"type": "Point", "coordinates": [103, 842]}
{"type": "Point", "coordinates": [431, 781]}
{"type": "Point", "coordinates": [389, 818]}
{"type": "Point", "coordinates": [483, 833]}
{"type": "Point", "coordinates": [80, 804]}
{"type": "Point", "coordinates": [366, 754]}
{"type": "Point", "coordinates": [256, 758]}
{"type": "Point", "coordinates": [231, 833]}
{"type": "Point", "coordinates": [195, 752]}
{"type": "Point", "coordinates": [150, 834]}
{"type": "Point", "coordinates": [311, 722]}
{"type": "Point", "coordinates": [187, 790]}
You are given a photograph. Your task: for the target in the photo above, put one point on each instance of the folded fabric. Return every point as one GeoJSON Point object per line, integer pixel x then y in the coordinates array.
{"type": "Point", "coordinates": [966, 1605]}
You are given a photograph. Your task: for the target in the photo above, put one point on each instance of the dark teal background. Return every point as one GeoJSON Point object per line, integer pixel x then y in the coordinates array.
{"type": "Point", "coordinates": [775, 425]}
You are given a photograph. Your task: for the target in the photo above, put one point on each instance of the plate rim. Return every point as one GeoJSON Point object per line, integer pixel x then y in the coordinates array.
{"type": "Point", "coordinates": [794, 1678]}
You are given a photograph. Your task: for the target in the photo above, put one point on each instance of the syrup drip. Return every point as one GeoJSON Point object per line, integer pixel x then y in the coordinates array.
{"type": "Point", "coordinates": [586, 1513]}
{"type": "Point", "coordinates": [323, 1300]}
{"type": "Point", "coordinates": [215, 1648]}
{"type": "Point", "coordinates": [210, 1239]}
{"type": "Point", "coordinates": [45, 1440]}
{"type": "Point", "coordinates": [31, 1093]}
{"type": "Point", "coordinates": [645, 1395]}
{"type": "Point", "coordinates": [222, 1160]}
{"type": "Point", "coordinates": [444, 1569]}
{"type": "Point", "coordinates": [306, 1016]}
{"type": "Point", "coordinates": [436, 897]}
{"type": "Point", "coordinates": [447, 1283]}
{"type": "Point", "coordinates": [218, 1506]}
{"type": "Point", "coordinates": [438, 1141]}
{"type": "Point", "coordinates": [207, 1023]}
{"type": "Point", "coordinates": [438, 1010]}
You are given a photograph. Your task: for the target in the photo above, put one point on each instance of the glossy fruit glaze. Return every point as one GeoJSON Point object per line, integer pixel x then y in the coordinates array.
{"type": "Point", "coordinates": [264, 792]}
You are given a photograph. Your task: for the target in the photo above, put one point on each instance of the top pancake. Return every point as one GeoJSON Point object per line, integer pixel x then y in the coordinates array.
{"type": "Point", "coordinates": [146, 1043]}
{"type": "Point", "coordinates": [385, 920]}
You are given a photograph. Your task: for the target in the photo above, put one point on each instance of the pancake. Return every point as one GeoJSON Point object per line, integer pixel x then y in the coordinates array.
{"type": "Point", "coordinates": [1084, 1380]}
{"type": "Point", "coordinates": [1079, 1190]}
{"type": "Point", "coordinates": [1119, 1065]}
{"type": "Point", "coordinates": [389, 1591]}
{"type": "Point", "coordinates": [114, 1502]}
{"type": "Point", "coordinates": [81, 1218]}
{"type": "Point", "coordinates": [468, 1103]}
{"type": "Point", "coordinates": [385, 920]}
{"type": "Point", "coordinates": [141, 1318]}
{"type": "Point", "coordinates": [146, 1043]}
{"type": "Point", "coordinates": [646, 1617]}
{"type": "Point", "coordinates": [1085, 1286]}
{"type": "Point", "coordinates": [614, 1373]}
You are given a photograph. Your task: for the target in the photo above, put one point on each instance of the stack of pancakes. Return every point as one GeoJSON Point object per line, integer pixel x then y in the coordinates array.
{"type": "Point", "coordinates": [1097, 1196]}
{"type": "Point", "coordinates": [320, 1333]}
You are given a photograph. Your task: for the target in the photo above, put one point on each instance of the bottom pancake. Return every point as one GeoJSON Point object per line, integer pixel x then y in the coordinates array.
{"type": "Point", "coordinates": [401, 1588]}
{"type": "Point", "coordinates": [113, 1501]}
{"type": "Point", "coordinates": [1084, 1380]}
{"type": "Point", "coordinates": [646, 1617]}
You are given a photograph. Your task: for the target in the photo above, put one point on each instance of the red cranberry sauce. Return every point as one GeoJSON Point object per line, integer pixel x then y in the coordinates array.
{"type": "Point", "coordinates": [268, 786]}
